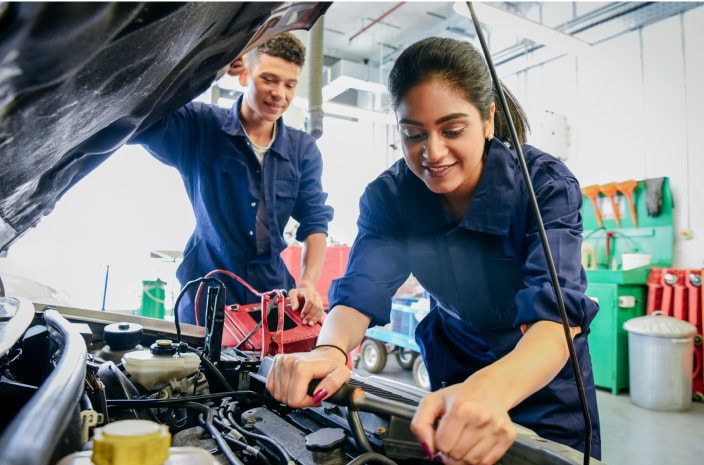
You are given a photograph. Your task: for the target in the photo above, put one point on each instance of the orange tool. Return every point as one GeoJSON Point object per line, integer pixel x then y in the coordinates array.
{"type": "Point", "coordinates": [627, 188]}
{"type": "Point", "coordinates": [610, 190]}
{"type": "Point", "coordinates": [592, 192]}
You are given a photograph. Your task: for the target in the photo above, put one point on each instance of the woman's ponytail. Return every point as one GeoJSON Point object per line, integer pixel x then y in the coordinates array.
{"type": "Point", "coordinates": [518, 115]}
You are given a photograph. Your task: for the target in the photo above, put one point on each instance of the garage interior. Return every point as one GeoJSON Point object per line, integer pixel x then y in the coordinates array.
{"type": "Point", "coordinates": [614, 89]}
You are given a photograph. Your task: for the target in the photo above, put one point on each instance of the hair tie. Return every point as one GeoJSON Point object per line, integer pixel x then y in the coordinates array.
{"type": "Point", "coordinates": [329, 345]}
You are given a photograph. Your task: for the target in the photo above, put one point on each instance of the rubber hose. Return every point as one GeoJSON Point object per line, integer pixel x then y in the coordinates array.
{"type": "Point", "coordinates": [358, 431]}
{"type": "Point", "coordinates": [208, 423]}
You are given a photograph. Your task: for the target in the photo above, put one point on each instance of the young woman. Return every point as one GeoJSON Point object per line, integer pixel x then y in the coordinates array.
{"type": "Point", "coordinates": [455, 212]}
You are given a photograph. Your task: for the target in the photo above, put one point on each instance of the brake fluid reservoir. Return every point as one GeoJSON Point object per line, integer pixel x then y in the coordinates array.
{"type": "Point", "coordinates": [153, 368]}
{"type": "Point", "coordinates": [137, 442]}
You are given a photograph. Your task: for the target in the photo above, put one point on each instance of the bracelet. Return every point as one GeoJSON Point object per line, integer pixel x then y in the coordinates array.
{"type": "Point", "coordinates": [329, 345]}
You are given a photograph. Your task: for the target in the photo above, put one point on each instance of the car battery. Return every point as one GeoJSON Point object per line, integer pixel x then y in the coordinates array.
{"type": "Point", "coordinates": [282, 330]}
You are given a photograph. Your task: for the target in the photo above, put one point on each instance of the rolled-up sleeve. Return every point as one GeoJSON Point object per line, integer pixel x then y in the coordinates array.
{"type": "Point", "coordinates": [310, 209]}
{"type": "Point", "coordinates": [560, 202]}
{"type": "Point", "coordinates": [378, 261]}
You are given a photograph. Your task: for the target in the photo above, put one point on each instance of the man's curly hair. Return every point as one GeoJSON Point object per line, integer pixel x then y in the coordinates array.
{"type": "Point", "coordinates": [286, 46]}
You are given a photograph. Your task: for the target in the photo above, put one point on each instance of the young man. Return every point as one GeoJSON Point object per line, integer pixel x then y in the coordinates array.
{"type": "Point", "coordinates": [246, 174]}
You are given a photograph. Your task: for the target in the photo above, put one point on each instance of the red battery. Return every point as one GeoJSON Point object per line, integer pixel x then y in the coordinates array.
{"type": "Point", "coordinates": [282, 332]}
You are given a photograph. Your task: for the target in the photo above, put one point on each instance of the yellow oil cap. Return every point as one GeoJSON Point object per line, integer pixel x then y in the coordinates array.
{"type": "Point", "coordinates": [131, 442]}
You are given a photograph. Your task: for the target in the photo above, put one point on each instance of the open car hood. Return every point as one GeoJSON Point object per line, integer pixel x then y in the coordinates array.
{"type": "Point", "coordinates": [78, 80]}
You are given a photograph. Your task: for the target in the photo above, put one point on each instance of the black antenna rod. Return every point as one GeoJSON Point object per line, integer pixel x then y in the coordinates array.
{"type": "Point", "coordinates": [543, 236]}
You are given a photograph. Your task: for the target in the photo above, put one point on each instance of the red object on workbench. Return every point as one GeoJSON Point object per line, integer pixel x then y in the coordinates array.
{"type": "Point", "coordinates": [334, 266]}
{"type": "Point", "coordinates": [283, 332]}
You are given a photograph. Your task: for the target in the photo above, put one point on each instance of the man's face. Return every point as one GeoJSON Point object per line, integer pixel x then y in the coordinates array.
{"type": "Point", "coordinates": [270, 84]}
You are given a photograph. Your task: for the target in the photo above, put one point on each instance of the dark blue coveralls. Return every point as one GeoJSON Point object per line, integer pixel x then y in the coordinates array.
{"type": "Point", "coordinates": [223, 179]}
{"type": "Point", "coordinates": [486, 276]}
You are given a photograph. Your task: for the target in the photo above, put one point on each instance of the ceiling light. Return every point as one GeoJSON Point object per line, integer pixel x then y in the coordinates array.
{"type": "Point", "coordinates": [522, 27]}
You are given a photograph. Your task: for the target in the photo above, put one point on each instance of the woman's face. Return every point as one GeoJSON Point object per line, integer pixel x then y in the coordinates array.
{"type": "Point", "coordinates": [443, 136]}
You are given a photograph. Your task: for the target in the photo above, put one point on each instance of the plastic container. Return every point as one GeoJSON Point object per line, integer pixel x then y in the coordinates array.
{"type": "Point", "coordinates": [154, 367]}
{"type": "Point", "coordinates": [588, 256]}
{"type": "Point", "coordinates": [137, 442]}
{"type": "Point", "coordinates": [660, 358]}
{"type": "Point", "coordinates": [635, 260]}
{"type": "Point", "coordinates": [153, 295]}
{"type": "Point", "coordinates": [177, 456]}
{"type": "Point", "coordinates": [120, 338]}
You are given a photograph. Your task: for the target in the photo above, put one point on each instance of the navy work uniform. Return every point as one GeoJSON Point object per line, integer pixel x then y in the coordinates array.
{"type": "Point", "coordinates": [226, 184]}
{"type": "Point", "coordinates": [486, 275]}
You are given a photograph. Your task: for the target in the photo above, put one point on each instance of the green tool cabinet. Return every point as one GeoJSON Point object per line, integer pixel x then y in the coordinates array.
{"type": "Point", "coordinates": [621, 296]}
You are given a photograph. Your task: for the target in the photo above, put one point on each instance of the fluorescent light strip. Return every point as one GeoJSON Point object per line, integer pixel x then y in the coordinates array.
{"type": "Point", "coordinates": [525, 28]}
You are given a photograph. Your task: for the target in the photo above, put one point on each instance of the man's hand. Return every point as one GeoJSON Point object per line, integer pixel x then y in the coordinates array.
{"type": "Point", "coordinates": [237, 66]}
{"type": "Point", "coordinates": [310, 303]}
{"type": "Point", "coordinates": [233, 69]}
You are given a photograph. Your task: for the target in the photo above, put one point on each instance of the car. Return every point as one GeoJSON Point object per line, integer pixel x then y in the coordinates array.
{"type": "Point", "coordinates": [77, 81]}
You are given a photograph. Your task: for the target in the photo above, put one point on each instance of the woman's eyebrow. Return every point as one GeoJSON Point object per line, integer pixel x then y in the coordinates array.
{"type": "Point", "coordinates": [409, 121]}
{"type": "Point", "coordinates": [441, 120]}
{"type": "Point", "coordinates": [451, 116]}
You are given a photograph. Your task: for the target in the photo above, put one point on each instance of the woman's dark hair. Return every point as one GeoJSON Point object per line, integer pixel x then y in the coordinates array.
{"type": "Point", "coordinates": [460, 65]}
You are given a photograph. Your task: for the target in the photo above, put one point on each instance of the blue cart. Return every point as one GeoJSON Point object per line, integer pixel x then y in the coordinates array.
{"type": "Point", "coordinates": [397, 338]}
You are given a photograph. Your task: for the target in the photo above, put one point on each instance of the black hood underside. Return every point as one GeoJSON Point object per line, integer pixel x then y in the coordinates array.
{"type": "Point", "coordinates": [78, 80]}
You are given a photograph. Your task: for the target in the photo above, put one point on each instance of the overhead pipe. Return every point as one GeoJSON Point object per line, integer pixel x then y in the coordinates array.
{"type": "Point", "coordinates": [314, 121]}
{"type": "Point", "coordinates": [397, 6]}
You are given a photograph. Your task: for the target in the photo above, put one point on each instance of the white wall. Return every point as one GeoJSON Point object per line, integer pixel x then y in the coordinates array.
{"type": "Point", "coordinates": [634, 111]}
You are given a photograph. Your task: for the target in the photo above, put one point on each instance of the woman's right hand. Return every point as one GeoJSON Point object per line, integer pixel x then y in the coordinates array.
{"type": "Point", "coordinates": [291, 374]}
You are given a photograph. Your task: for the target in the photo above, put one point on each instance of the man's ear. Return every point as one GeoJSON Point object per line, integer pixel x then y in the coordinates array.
{"type": "Point", "coordinates": [243, 77]}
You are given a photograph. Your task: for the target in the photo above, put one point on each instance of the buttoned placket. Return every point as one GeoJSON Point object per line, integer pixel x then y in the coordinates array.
{"type": "Point", "coordinates": [261, 221]}
{"type": "Point", "coordinates": [254, 203]}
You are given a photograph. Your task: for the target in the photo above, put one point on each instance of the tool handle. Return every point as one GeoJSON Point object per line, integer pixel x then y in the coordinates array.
{"type": "Point", "coordinates": [355, 399]}
{"type": "Point", "coordinates": [633, 211]}
{"type": "Point", "coordinates": [596, 211]}
{"type": "Point", "coordinates": [343, 397]}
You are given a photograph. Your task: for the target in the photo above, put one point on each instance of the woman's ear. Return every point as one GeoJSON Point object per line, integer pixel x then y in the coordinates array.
{"type": "Point", "coordinates": [489, 128]}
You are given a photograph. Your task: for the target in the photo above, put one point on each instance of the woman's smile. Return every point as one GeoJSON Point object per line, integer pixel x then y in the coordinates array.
{"type": "Point", "coordinates": [439, 171]}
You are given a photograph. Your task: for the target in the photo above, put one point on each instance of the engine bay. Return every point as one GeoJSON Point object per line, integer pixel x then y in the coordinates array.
{"type": "Point", "coordinates": [66, 373]}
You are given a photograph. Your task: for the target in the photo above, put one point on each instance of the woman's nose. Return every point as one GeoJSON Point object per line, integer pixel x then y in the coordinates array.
{"type": "Point", "coordinates": [434, 149]}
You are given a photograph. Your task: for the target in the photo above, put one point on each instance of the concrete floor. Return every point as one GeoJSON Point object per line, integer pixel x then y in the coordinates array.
{"type": "Point", "coordinates": [630, 435]}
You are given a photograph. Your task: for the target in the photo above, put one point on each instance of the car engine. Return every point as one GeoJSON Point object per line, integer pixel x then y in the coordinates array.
{"type": "Point", "coordinates": [65, 373]}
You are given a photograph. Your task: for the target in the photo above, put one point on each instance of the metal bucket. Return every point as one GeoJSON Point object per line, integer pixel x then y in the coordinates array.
{"type": "Point", "coordinates": [660, 359]}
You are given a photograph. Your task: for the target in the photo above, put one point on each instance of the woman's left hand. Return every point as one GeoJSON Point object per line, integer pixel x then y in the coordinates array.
{"type": "Point", "coordinates": [464, 424]}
